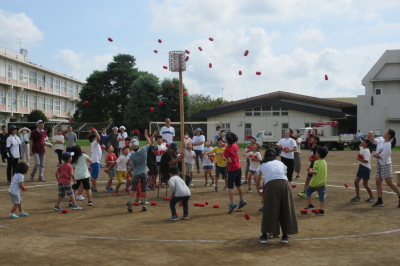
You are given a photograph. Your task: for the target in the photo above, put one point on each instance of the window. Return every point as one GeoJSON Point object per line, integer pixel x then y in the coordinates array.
{"type": "Point", "coordinates": [266, 111]}
{"type": "Point", "coordinates": [249, 112]}
{"type": "Point", "coordinates": [57, 86]}
{"type": "Point", "coordinates": [12, 101]}
{"type": "Point", "coordinates": [2, 97]}
{"type": "Point", "coordinates": [69, 88]}
{"type": "Point", "coordinates": [284, 111]}
{"type": "Point", "coordinates": [50, 83]}
{"type": "Point", "coordinates": [21, 74]}
{"type": "Point", "coordinates": [226, 127]}
{"type": "Point", "coordinates": [257, 111]}
{"type": "Point", "coordinates": [74, 107]}
{"type": "Point", "coordinates": [76, 90]}
{"type": "Point", "coordinates": [23, 100]}
{"type": "Point", "coordinates": [80, 89]}
{"type": "Point", "coordinates": [32, 77]}
{"type": "Point", "coordinates": [378, 91]}
{"type": "Point", "coordinates": [32, 101]}
{"type": "Point", "coordinates": [57, 107]}
{"type": "Point", "coordinates": [10, 76]}
{"type": "Point", "coordinates": [69, 106]}
{"type": "Point", "coordinates": [49, 105]}
{"type": "Point", "coordinates": [41, 103]}
{"type": "Point", "coordinates": [23, 119]}
{"type": "Point", "coordinates": [247, 130]}
{"type": "Point", "coordinates": [63, 106]}
{"type": "Point", "coordinates": [63, 86]}
{"type": "Point", "coordinates": [284, 127]}
{"type": "Point", "coordinates": [40, 80]}
{"type": "Point", "coordinates": [308, 124]}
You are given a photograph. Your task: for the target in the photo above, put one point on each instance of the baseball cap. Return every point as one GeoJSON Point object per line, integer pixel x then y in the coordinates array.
{"type": "Point", "coordinates": [314, 136]}
{"type": "Point", "coordinates": [39, 121]}
{"type": "Point", "coordinates": [66, 155]}
{"type": "Point", "coordinates": [174, 146]}
{"type": "Point", "coordinates": [115, 128]}
{"type": "Point", "coordinates": [134, 144]}
{"type": "Point", "coordinates": [254, 137]}
{"type": "Point", "coordinates": [122, 127]}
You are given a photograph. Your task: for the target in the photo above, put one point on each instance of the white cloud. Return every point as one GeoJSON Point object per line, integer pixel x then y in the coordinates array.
{"type": "Point", "coordinates": [18, 26]}
{"type": "Point", "coordinates": [309, 36]}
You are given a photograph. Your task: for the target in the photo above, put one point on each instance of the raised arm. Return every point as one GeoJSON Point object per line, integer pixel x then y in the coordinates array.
{"type": "Point", "coordinates": [371, 137]}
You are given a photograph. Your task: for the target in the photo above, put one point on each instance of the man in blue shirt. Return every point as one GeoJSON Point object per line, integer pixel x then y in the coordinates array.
{"type": "Point", "coordinates": [138, 162]}
{"type": "Point", "coordinates": [220, 134]}
{"type": "Point", "coordinates": [104, 140]}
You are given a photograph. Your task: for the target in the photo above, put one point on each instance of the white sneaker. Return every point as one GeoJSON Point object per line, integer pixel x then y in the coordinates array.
{"type": "Point", "coordinates": [4, 164]}
{"type": "Point", "coordinates": [80, 197]}
{"type": "Point", "coordinates": [191, 183]}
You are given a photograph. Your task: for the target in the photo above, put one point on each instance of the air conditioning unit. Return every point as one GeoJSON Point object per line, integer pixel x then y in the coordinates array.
{"type": "Point", "coordinates": [41, 88]}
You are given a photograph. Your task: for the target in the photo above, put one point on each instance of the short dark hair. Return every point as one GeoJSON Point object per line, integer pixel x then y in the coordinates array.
{"type": "Point", "coordinates": [158, 137]}
{"type": "Point", "coordinates": [173, 170]}
{"type": "Point", "coordinates": [91, 137]}
{"type": "Point", "coordinates": [22, 168]}
{"type": "Point", "coordinates": [69, 126]}
{"type": "Point", "coordinates": [291, 131]}
{"type": "Point", "coordinates": [219, 140]}
{"type": "Point", "coordinates": [103, 129]}
{"type": "Point", "coordinates": [3, 127]}
{"type": "Point", "coordinates": [218, 127]}
{"type": "Point", "coordinates": [60, 129]}
{"type": "Point", "coordinates": [125, 147]}
{"type": "Point", "coordinates": [108, 146]}
{"type": "Point", "coordinates": [323, 152]}
{"type": "Point", "coordinates": [231, 138]}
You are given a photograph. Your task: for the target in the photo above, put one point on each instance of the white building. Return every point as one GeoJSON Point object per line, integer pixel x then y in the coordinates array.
{"type": "Point", "coordinates": [25, 86]}
{"type": "Point", "coordinates": [279, 111]}
{"type": "Point", "coordinates": [379, 108]}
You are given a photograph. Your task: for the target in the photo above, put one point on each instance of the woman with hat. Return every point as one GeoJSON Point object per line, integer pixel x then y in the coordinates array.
{"type": "Point", "coordinates": [24, 138]}
{"type": "Point", "coordinates": [13, 155]}
{"type": "Point", "coordinates": [198, 146]}
{"type": "Point", "coordinates": [278, 209]}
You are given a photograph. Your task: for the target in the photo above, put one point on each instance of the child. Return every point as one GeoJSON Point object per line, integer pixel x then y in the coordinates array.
{"type": "Point", "coordinates": [364, 172]}
{"type": "Point", "coordinates": [17, 184]}
{"type": "Point", "coordinates": [253, 140]}
{"type": "Point", "coordinates": [234, 170]}
{"type": "Point", "coordinates": [189, 161]}
{"type": "Point", "coordinates": [318, 181]}
{"type": "Point", "coordinates": [161, 147]}
{"type": "Point", "coordinates": [187, 138]}
{"type": "Point", "coordinates": [314, 139]}
{"type": "Point", "coordinates": [82, 175]}
{"type": "Point", "coordinates": [207, 164]}
{"type": "Point", "coordinates": [255, 158]}
{"type": "Point", "coordinates": [180, 192]}
{"type": "Point", "coordinates": [121, 170]}
{"type": "Point", "coordinates": [64, 174]}
{"type": "Point", "coordinates": [152, 162]}
{"type": "Point", "coordinates": [138, 162]}
{"type": "Point", "coordinates": [384, 168]}
{"type": "Point", "coordinates": [94, 139]}
{"type": "Point", "coordinates": [111, 161]}
{"type": "Point", "coordinates": [220, 163]}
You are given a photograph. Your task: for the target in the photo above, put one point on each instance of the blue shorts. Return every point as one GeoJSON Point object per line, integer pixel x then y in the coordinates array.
{"type": "Point", "coordinates": [205, 167]}
{"type": "Point", "coordinates": [253, 172]}
{"type": "Point", "coordinates": [363, 172]}
{"type": "Point", "coordinates": [95, 170]}
{"type": "Point", "coordinates": [234, 178]}
{"type": "Point", "coordinates": [321, 192]}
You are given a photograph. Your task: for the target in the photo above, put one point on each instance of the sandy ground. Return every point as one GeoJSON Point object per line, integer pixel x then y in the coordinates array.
{"type": "Point", "coordinates": [106, 234]}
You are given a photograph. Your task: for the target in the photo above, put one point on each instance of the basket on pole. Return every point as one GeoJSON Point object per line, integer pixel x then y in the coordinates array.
{"type": "Point", "coordinates": [177, 63]}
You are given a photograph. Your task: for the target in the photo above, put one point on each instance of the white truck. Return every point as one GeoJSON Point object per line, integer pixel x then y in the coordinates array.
{"type": "Point", "coordinates": [266, 138]}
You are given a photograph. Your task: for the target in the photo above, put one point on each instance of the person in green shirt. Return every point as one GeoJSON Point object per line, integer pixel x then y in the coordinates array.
{"type": "Point", "coordinates": [318, 181]}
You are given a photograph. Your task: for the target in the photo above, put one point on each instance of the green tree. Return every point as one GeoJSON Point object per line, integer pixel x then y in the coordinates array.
{"type": "Point", "coordinates": [200, 102]}
{"type": "Point", "coordinates": [37, 115]}
{"type": "Point", "coordinates": [143, 94]}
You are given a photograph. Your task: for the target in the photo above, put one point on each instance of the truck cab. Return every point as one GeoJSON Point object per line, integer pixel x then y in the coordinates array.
{"type": "Point", "coordinates": [266, 138]}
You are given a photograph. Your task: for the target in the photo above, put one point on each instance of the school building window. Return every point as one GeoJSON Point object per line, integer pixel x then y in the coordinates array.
{"type": "Point", "coordinates": [2, 97]}
{"type": "Point", "coordinates": [50, 83]}
{"type": "Point", "coordinates": [32, 77]}
{"type": "Point", "coordinates": [76, 90]}
{"type": "Point", "coordinates": [23, 100]}
{"type": "Point", "coordinates": [57, 86]}
{"type": "Point", "coordinates": [40, 80]}
{"type": "Point", "coordinates": [21, 74]}
{"type": "Point", "coordinates": [12, 101]}
{"type": "Point", "coordinates": [57, 107]}
{"type": "Point", "coordinates": [63, 106]}
{"type": "Point", "coordinates": [41, 103]}
{"type": "Point", "coordinates": [266, 110]}
{"type": "Point", "coordinates": [49, 105]}
{"type": "Point", "coordinates": [69, 88]}
{"type": "Point", "coordinates": [10, 75]}
{"type": "Point", "coordinates": [32, 101]}
{"type": "Point", "coordinates": [308, 124]}
{"type": "Point", "coordinates": [63, 86]}
{"type": "Point", "coordinates": [247, 130]}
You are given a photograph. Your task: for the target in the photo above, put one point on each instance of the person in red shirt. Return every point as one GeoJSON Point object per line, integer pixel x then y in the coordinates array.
{"type": "Point", "coordinates": [234, 170]}
{"type": "Point", "coordinates": [38, 137]}
{"type": "Point", "coordinates": [111, 161]}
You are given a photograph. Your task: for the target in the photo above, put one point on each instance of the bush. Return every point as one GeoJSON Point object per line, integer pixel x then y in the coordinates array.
{"type": "Point", "coordinates": [36, 115]}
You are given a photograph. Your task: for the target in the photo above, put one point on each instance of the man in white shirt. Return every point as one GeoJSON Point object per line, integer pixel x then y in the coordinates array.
{"type": "Point", "coordinates": [297, 154]}
{"type": "Point", "coordinates": [359, 134]}
{"type": "Point", "coordinates": [167, 132]}
{"type": "Point", "coordinates": [198, 146]}
{"type": "Point", "coordinates": [179, 192]}
{"type": "Point", "coordinates": [121, 138]}
{"type": "Point", "coordinates": [288, 146]}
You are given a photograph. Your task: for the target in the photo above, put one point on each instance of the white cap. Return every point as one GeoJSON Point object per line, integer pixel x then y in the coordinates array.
{"type": "Point", "coordinates": [39, 121]}
{"type": "Point", "coordinates": [122, 127]}
{"type": "Point", "coordinates": [115, 128]}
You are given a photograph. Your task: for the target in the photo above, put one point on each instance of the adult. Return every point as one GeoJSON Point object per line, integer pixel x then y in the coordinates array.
{"type": "Point", "coordinates": [59, 147]}
{"type": "Point", "coordinates": [220, 134]}
{"type": "Point", "coordinates": [167, 132]}
{"type": "Point", "coordinates": [114, 141]}
{"type": "Point", "coordinates": [288, 146]}
{"type": "Point", "coordinates": [297, 154]}
{"type": "Point", "coordinates": [359, 134]}
{"type": "Point", "coordinates": [169, 158]}
{"type": "Point", "coordinates": [24, 137]}
{"type": "Point", "coordinates": [71, 139]}
{"type": "Point", "coordinates": [38, 137]}
{"type": "Point", "coordinates": [198, 146]}
{"type": "Point", "coordinates": [3, 138]}
{"type": "Point", "coordinates": [278, 208]}
{"type": "Point", "coordinates": [121, 138]}
{"type": "Point", "coordinates": [13, 154]}
{"type": "Point", "coordinates": [104, 140]}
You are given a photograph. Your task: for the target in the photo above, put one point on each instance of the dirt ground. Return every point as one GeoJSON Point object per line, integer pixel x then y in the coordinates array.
{"type": "Point", "coordinates": [106, 234]}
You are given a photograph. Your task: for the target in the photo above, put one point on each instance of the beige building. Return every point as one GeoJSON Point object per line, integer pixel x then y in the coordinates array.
{"type": "Point", "coordinates": [379, 108]}
{"type": "Point", "coordinates": [279, 111]}
{"type": "Point", "coordinates": [25, 86]}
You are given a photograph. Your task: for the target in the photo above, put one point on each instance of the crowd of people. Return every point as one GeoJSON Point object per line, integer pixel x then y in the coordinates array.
{"type": "Point", "coordinates": [138, 167]}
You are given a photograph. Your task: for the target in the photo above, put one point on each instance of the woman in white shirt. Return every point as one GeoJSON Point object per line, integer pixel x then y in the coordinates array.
{"type": "Point", "coordinates": [288, 146]}
{"type": "Point", "coordinates": [13, 154]}
{"type": "Point", "coordinates": [198, 146]}
{"type": "Point", "coordinates": [278, 209]}
{"type": "Point", "coordinates": [24, 137]}
{"type": "Point", "coordinates": [59, 147]}
{"type": "Point", "coordinates": [384, 163]}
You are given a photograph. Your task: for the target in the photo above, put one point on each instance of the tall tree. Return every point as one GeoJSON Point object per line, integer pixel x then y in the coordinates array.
{"type": "Point", "coordinates": [143, 94]}
{"type": "Point", "coordinates": [37, 115]}
{"type": "Point", "coordinates": [171, 103]}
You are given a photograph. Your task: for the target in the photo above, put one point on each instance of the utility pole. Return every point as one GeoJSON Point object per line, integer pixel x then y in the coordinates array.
{"type": "Point", "coordinates": [19, 41]}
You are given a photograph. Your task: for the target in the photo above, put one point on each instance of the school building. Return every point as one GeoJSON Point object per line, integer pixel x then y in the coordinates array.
{"type": "Point", "coordinates": [278, 111]}
{"type": "Point", "coordinates": [26, 86]}
{"type": "Point", "coordinates": [379, 108]}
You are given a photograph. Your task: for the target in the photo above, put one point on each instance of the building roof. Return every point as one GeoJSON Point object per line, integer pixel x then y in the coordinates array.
{"type": "Point", "coordinates": [285, 100]}
{"type": "Point", "coordinates": [352, 100]}
{"type": "Point", "coordinates": [388, 57]}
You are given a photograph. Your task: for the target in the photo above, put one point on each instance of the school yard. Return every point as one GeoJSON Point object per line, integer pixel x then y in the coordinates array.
{"type": "Point", "coordinates": [106, 234]}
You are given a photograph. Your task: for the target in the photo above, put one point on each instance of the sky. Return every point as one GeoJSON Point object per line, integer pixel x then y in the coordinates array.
{"type": "Point", "coordinates": [293, 43]}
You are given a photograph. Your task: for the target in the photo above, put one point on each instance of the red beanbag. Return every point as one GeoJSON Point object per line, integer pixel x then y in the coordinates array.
{"type": "Point", "coordinates": [246, 52]}
{"type": "Point", "coordinates": [258, 73]}
{"type": "Point", "coordinates": [153, 203]}
{"type": "Point", "coordinates": [89, 168]}
{"type": "Point", "coordinates": [102, 146]}
{"type": "Point", "coordinates": [106, 170]}
{"type": "Point", "coordinates": [187, 51]}
{"type": "Point", "coordinates": [85, 103]}
{"type": "Point", "coordinates": [160, 103]}
{"type": "Point", "coordinates": [167, 145]}
{"type": "Point", "coordinates": [251, 155]}
{"type": "Point", "coordinates": [201, 49]}
{"type": "Point", "coordinates": [171, 85]}
{"type": "Point", "coordinates": [156, 186]}
{"type": "Point", "coordinates": [159, 40]}
{"type": "Point", "coordinates": [211, 159]}
{"type": "Point", "coordinates": [210, 65]}
{"type": "Point", "coordinates": [250, 148]}
{"type": "Point", "coordinates": [326, 77]}
{"type": "Point", "coordinates": [187, 58]}
{"type": "Point", "coordinates": [309, 169]}
{"type": "Point", "coordinates": [206, 202]}
{"type": "Point", "coordinates": [151, 109]}
{"type": "Point", "coordinates": [303, 212]}
{"type": "Point", "coordinates": [293, 186]}
{"type": "Point", "coordinates": [361, 157]}
{"type": "Point", "coordinates": [211, 39]}
{"type": "Point", "coordinates": [345, 184]}
{"type": "Point", "coordinates": [167, 198]}
{"type": "Point", "coordinates": [216, 205]}
{"type": "Point", "coordinates": [240, 72]}
{"type": "Point", "coordinates": [378, 153]}
{"type": "Point", "coordinates": [136, 203]}
{"type": "Point", "coordinates": [137, 132]}
{"type": "Point", "coordinates": [249, 136]}
{"type": "Point", "coordinates": [111, 40]}
{"type": "Point", "coordinates": [184, 93]}
{"type": "Point", "coordinates": [247, 216]}
{"type": "Point", "coordinates": [202, 204]}
{"type": "Point", "coordinates": [64, 211]}
{"type": "Point", "coordinates": [26, 188]}
{"type": "Point", "coordinates": [313, 157]}
{"type": "Point", "coordinates": [314, 211]}
{"type": "Point", "coordinates": [155, 51]}
{"type": "Point", "coordinates": [92, 129]}
{"type": "Point", "coordinates": [126, 143]}
{"type": "Point", "coordinates": [180, 204]}
{"type": "Point", "coordinates": [165, 67]}
{"type": "Point", "coordinates": [196, 204]}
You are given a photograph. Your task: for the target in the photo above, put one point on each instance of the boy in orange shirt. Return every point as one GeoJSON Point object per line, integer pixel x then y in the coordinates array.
{"type": "Point", "coordinates": [111, 161]}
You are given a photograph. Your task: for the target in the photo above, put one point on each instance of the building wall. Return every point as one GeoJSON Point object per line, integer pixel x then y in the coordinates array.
{"type": "Point", "coordinates": [295, 119]}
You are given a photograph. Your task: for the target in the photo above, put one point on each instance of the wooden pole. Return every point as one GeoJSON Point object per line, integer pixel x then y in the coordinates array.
{"type": "Point", "coordinates": [182, 122]}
